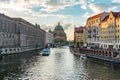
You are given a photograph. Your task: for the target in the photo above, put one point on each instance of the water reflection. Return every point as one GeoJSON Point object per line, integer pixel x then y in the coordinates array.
{"type": "Point", "coordinates": [59, 65]}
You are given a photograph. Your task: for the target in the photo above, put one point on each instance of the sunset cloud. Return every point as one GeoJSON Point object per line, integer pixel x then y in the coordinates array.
{"type": "Point", "coordinates": [48, 12]}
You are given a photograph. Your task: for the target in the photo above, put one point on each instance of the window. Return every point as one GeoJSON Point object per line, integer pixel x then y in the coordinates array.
{"type": "Point", "coordinates": [5, 50]}
{"type": "Point", "coordinates": [10, 49]}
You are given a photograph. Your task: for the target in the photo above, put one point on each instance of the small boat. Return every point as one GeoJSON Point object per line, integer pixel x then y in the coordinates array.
{"type": "Point", "coordinates": [46, 52]}
{"type": "Point", "coordinates": [83, 56]}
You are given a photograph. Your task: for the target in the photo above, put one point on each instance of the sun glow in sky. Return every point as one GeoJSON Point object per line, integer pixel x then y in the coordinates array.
{"type": "Point", "coordinates": [48, 13]}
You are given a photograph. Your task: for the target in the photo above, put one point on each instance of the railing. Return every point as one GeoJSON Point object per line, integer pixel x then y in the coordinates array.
{"type": "Point", "coordinates": [104, 54]}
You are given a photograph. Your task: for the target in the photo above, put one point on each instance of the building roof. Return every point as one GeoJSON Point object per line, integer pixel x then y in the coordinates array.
{"type": "Point", "coordinates": [3, 15]}
{"type": "Point", "coordinates": [105, 19]}
{"type": "Point", "coordinates": [59, 27]}
{"type": "Point", "coordinates": [101, 15]}
{"type": "Point", "coordinates": [116, 14]}
{"type": "Point", "coordinates": [79, 29]}
{"type": "Point", "coordinates": [23, 21]}
{"type": "Point", "coordinates": [95, 16]}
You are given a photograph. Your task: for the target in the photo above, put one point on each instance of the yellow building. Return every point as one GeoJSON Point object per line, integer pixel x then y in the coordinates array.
{"type": "Point", "coordinates": [104, 33]}
{"type": "Point", "coordinates": [79, 36]}
{"type": "Point", "coordinates": [118, 31]}
{"type": "Point", "coordinates": [110, 31]}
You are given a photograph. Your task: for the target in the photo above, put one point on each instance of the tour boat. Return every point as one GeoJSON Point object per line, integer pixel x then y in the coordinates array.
{"type": "Point", "coordinates": [46, 52]}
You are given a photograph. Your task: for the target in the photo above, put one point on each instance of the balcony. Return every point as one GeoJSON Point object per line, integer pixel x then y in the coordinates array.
{"type": "Point", "coordinates": [94, 30]}
{"type": "Point", "coordinates": [89, 31]}
{"type": "Point", "coordinates": [94, 36]}
{"type": "Point", "coordinates": [89, 36]}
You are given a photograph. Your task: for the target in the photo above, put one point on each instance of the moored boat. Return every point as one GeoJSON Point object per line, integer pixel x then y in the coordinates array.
{"type": "Point", "coordinates": [45, 51]}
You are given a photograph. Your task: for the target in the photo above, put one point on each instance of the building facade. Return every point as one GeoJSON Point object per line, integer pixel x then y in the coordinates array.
{"type": "Point", "coordinates": [93, 29]}
{"type": "Point", "coordinates": [104, 33]}
{"type": "Point", "coordinates": [17, 34]}
{"type": "Point", "coordinates": [59, 34]}
{"type": "Point", "coordinates": [49, 38]}
{"type": "Point", "coordinates": [79, 36]}
{"type": "Point", "coordinates": [30, 35]}
{"type": "Point", "coordinates": [9, 32]}
{"type": "Point", "coordinates": [110, 31]}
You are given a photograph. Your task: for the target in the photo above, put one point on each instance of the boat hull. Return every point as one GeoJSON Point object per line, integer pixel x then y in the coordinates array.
{"type": "Point", "coordinates": [7, 51]}
{"type": "Point", "coordinates": [104, 58]}
{"type": "Point", "coordinates": [102, 54]}
{"type": "Point", "coordinates": [46, 52]}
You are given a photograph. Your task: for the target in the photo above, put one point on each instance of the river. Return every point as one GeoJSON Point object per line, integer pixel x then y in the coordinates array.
{"type": "Point", "coordinates": [61, 64]}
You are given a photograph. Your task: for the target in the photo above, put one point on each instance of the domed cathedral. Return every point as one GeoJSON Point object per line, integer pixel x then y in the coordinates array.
{"type": "Point", "coordinates": [59, 34]}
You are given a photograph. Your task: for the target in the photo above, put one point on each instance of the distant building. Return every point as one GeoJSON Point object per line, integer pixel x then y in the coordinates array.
{"type": "Point", "coordinates": [30, 35]}
{"type": "Point", "coordinates": [59, 34]}
{"type": "Point", "coordinates": [18, 35]}
{"type": "Point", "coordinates": [79, 36]}
{"type": "Point", "coordinates": [49, 38]}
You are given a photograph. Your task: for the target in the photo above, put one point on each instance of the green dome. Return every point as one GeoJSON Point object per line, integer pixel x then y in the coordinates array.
{"type": "Point", "coordinates": [58, 27]}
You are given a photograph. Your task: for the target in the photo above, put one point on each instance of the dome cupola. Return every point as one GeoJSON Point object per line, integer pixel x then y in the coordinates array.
{"type": "Point", "coordinates": [59, 27]}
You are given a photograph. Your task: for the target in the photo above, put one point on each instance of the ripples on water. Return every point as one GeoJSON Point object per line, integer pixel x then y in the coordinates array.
{"type": "Point", "coordinates": [59, 65]}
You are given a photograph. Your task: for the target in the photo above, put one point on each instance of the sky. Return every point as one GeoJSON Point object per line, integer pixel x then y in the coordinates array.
{"type": "Point", "coordinates": [47, 13]}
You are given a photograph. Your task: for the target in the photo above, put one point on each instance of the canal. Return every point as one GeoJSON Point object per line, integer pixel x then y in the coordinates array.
{"type": "Point", "coordinates": [59, 65]}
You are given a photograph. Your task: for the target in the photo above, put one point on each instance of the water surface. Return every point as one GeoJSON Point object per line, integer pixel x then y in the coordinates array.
{"type": "Point", "coordinates": [59, 65]}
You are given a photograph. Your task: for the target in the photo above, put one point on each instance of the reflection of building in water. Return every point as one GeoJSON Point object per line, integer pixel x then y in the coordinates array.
{"type": "Point", "coordinates": [59, 34]}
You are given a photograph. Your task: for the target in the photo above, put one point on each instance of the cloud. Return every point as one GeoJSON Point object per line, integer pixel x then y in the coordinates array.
{"type": "Point", "coordinates": [69, 29]}
{"type": "Point", "coordinates": [46, 15]}
{"type": "Point", "coordinates": [68, 25]}
{"type": "Point", "coordinates": [55, 5]}
{"type": "Point", "coordinates": [100, 7]}
{"type": "Point", "coordinates": [83, 4]}
{"type": "Point", "coordinates": [45, 27]}
{"type": "Point", "coordinates": [18, 5]}
{"type": "Point", "coordinates": [86, 15]}
{"type": "Point", "coordinates": [116, 1]}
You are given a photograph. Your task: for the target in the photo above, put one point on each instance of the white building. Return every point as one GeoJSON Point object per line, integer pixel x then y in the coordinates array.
{"type": "Point", "coordinates": [93, 29]}
{"type": "Point", "coordinates": [49, 38]}
{"type": "Point", "coordinates": [9, 32]}
{"type": "Point", "coordinates": [18, 35]}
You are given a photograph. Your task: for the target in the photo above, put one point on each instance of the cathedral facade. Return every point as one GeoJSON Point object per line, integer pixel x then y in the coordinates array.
{"type": "Point", "coordinates": [59, 34]}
